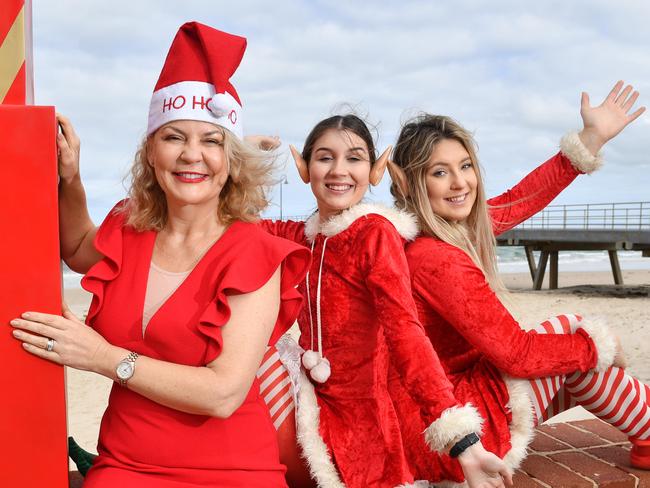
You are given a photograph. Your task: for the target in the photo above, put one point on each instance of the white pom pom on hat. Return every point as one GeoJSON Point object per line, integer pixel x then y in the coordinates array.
{"type": "Point", "coordinates": [194, 83]}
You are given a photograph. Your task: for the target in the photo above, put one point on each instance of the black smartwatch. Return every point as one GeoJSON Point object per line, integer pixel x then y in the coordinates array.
{"type": "Point", "coordinates": [464, 443]}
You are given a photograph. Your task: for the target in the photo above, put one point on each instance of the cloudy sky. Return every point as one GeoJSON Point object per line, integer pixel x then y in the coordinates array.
{"type": "Point", "coordinates": [510, 71]}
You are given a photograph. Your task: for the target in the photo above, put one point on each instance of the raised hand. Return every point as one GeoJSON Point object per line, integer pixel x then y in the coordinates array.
{"type": "Point", "coordinates": [483, 469]}
{"type": "Point", "coordinates": [265, 143]}
{"type": "Point", "coordinates": [604, 122]}
{"type": "Point", "coordinates": [68, 146]}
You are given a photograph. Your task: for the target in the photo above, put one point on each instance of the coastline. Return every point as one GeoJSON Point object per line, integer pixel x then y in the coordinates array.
{"type": "Point", "coordinates": [626, 307]}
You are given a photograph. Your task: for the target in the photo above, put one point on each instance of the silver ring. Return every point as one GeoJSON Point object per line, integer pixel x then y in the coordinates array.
{"type": "Point", "coordinates": [50, 345]}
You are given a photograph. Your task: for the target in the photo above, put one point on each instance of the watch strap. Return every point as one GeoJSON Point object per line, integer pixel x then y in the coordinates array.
{"type": "Point", "coordinates": [463, 444]}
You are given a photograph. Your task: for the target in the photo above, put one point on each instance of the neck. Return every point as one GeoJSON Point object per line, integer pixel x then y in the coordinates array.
{"type": "Point", "coordinates": [188, 222]}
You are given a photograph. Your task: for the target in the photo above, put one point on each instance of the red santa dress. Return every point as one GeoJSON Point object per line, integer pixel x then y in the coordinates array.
{"type": "Point", "coordinates": [144, 444]}
{"type": "Point", "coordinates": [481, 346]}
{"type": "Point", "coordinates": [362, 317]}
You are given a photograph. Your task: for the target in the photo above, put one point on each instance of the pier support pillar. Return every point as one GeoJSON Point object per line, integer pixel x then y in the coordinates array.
{"type": "Point", "coordinates": [616, 267]}
{"type": "Point", "coordinates": [541, 269]}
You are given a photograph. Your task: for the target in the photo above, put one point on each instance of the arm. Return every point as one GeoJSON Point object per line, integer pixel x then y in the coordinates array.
{"type": "Point", "coordinates": [290, 230]}
{"type": "Point", "coordinates": [217, 389]}
{"type": "Point", "coordinates": [579, 154]}
{"type": "Point", "coordinates": [76, 229]}
{"type": "Point", "coordinates": [449, 282]}
{"type": "Point", "coordinates": [384, 266]}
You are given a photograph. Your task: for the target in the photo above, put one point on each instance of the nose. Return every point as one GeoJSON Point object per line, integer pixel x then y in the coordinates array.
{"type": "Point", "coordinates": [458, 181]}
{"type": "Point", "coordinates": [191, 152]}
{"type": "Point", "coordinates": [338, 167]}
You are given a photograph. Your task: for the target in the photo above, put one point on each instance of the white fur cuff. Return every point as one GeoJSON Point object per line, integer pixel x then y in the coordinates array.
{"type": "Point", "coordinates": [454, 424]}
{"type": "Point", "coordinates": [604, 340]}
{"type": "Point", "coordinates": [580, 157]}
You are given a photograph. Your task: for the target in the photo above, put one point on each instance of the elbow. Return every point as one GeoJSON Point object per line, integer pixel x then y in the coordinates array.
{"type": "Point", "coordinates": [226, 404]}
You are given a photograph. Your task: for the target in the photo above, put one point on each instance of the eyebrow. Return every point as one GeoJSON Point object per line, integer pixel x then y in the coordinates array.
{"type": "Point", "coordinates": [445, 163]}
{"type": "Point", "coordinates": [352, 149]}
{"type": "Point", "coordinates": [212, 132]}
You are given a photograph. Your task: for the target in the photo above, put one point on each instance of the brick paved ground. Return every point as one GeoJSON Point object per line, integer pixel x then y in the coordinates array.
{"type": "Point", "coordinates": [583, 453]}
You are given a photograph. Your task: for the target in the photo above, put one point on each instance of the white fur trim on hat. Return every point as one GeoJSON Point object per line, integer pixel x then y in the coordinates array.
{"type": "Point", "coordinates": [314, 449]}
{"type": "Point", "coordinates": [404, 222]}
{"type": "Point", "coordinates": [454, 424]}
{"type": "Point", "coordinates": [194, 100]}
{"type": "Point", "coordinates": [580, 157]}
{"type": "Point", "coordinates": [604, 340]}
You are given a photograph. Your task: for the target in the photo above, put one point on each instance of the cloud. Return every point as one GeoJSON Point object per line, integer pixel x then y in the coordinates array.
{"type": "Point", "coordinates": [510, 71]}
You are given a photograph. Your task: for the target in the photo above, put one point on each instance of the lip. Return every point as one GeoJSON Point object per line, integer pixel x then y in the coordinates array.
{"type": "Point", "coordinates": [190, 176]}
{"type": "Point", "coordinates": [461, 199]}
{"type": "Point", "coordinates": [339, 188]}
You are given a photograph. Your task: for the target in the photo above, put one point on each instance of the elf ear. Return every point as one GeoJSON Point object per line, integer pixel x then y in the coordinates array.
{"type": "Point", "coordinates": [301, 165]}
{"type": "Point", "coordinates": [399, 178]}
{"type": "Point", "coordinates": [377, 171]}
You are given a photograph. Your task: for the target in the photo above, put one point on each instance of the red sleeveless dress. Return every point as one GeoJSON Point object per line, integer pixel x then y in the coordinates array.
{"type": "Point", "coordinates": [143, 443]}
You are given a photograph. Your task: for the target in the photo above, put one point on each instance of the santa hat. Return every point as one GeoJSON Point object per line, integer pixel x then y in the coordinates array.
{"type": "Point", "coordinates": [194, 83]}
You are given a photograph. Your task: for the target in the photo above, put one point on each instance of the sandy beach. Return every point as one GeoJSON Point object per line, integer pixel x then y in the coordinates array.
{"type": "Point", "coordinates": [626, 307]}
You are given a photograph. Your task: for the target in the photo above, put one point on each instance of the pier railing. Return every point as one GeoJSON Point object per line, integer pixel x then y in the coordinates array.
{"type": "Point", "coordinates": [617, 216]}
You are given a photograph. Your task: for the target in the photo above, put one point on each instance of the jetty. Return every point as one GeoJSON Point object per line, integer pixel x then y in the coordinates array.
{"type": "Point", "coordinates": [607, 227]}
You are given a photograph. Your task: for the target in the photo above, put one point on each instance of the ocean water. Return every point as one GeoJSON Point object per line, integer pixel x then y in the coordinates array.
{"type": "Point", "coordinates": [510, 260]}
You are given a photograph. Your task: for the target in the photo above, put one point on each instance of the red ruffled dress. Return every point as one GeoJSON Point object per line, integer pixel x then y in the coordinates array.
{"type": "Point", "coordinates": [481, 346]}
{"type": "Point", "coordinates": [144, 444]}
{"type": "Point", "coordinates": [359, 292]}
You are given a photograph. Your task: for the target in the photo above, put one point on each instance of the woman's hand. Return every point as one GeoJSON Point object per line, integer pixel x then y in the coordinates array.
{"type": "Point", "coordinates": [75, 344]}
{"type": "Point", "coordinates": [483, 469]}
{"type": "Point", "coordinates": [265, 143]}
{"type": "Point", "coordinates": [604, 122]}
{"type": "Point", "coordinates": [68, 146]}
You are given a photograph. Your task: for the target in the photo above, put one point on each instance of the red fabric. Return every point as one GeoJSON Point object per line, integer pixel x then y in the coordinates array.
{"type": "Point", "coordinates": [475, 336]}
{"type": "Point", "coordinates": [531, 194]}
{"type": "Point", "coordinates": [142, 443]}
{"type": "Point", "coordinates": [368, 323]}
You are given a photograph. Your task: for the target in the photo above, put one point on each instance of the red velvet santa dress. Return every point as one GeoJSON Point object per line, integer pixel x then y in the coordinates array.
{"type": "Point", "coordinates": [481, 346]}
{"type": "Point", "coordinates": [143, 443]}
{"type": "Point", "coordinates": [361, 317]}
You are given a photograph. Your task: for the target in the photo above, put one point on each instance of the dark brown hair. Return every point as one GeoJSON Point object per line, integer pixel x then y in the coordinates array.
{"type": "Point", "coordinates": [347, 122]}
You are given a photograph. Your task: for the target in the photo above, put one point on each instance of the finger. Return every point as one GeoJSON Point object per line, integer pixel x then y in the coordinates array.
{"type": "Point", "coordinates": [636, 114]}
{"type": "Point", "coordinates": [49, 319]}
{"type": "Point", "coordinates": [35, 328]}
{"type": "Point", "coordinates": [68, 129]}
{"type": "Point", "coordinates": [27, 338]}
{"type": "Point", "coordinates": [620, 100]}
{"type": "Point", "coordinates": [630, 101]}
{"type": "Point", "coordinates": [507, 477]}
{"type": "Point", "coordinates": [614, 92]}
{"type": "Point", "coordinates": [584, 101]}
{"type": "Point", "coordinates": [42, 353]}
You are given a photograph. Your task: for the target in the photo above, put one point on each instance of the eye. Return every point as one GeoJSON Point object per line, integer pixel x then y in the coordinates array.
{"type": "Point", "coordinates": [214, 142]}
{"type": "Point", "coordinates": [172, 137]}
{"type": "Point", "coordinates": [467, 165]}
{"type": "Point", "coordinates": [325, 158]}
{"type": "Point", "coordinates": [438, 173]}
{"type": "Point", "coordinates": [354, 158]}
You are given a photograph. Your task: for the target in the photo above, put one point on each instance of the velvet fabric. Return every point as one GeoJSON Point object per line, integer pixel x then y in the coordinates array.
{"type": "Point", "coordinates": [477, 339]}
{"type": "Point", "coordinates": [143, 443]}
{"type": "Point", "coordinates": [368, 323]}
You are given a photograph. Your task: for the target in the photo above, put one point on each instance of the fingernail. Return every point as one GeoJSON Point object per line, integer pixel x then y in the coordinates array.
{"type": "Point", "coordinates": [16, 333]}
{"type": "Point", "coordinates": [27, 315]}
{"type": "Point", "coordinates": [14, 322]}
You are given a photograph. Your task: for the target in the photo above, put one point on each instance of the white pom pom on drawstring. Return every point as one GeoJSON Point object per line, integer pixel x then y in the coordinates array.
{"type": "Point", "coordinates": [310, 359]}
{"type": "Point", "coordinates": [321, 372]}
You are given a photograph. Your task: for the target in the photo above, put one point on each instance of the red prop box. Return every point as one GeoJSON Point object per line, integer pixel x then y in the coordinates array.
{"type": "Point", "coordinates": [33, 431]}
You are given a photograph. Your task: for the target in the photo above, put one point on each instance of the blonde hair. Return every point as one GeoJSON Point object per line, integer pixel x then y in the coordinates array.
{"type": "Point", "coordinates": [243, 197]}
{"type": "Point", "coordinates": [412, 153]}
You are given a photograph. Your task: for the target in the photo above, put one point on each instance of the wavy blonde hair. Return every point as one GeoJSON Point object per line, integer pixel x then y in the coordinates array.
{"type": "Point", "coordinates": [243, 197]}
{"type": "Point", "coordinates": [412, 153]}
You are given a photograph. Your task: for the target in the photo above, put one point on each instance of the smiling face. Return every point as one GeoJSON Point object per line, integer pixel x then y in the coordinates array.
{"type": "Point", "coordinates": [339, 170]}
{"type": "Point", "coordinates": [189, 162]}
{"type": "Point", "coordinates": [451, 181]}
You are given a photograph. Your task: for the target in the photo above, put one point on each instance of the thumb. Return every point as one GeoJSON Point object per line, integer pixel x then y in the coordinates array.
{"type": "Point", "coordinates": [584, 101]}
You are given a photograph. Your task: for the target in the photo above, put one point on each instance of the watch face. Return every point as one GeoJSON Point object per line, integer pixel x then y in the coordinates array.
{"type": "Point", "coordinates": [124, 370]}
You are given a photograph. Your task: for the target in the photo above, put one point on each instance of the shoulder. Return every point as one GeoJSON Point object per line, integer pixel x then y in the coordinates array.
{"type": "Point", "coordinates": [427, 254]}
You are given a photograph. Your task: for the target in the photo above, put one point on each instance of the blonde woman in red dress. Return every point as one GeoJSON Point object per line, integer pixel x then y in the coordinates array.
{"type": "Point", "coordinates": [515, 378]}
{"type": "Point", "coordinates": [188, 291]}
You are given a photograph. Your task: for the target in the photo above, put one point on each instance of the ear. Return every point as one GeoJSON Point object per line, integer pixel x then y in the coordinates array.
{"type": "Point", "coordinates": [399, 178]}
{"type": "Point", "coordinates": [377, 171]}
{"type": "Point", "coordinates": [303, 170]}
